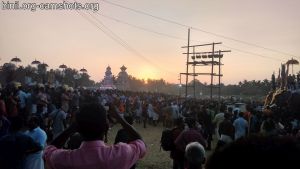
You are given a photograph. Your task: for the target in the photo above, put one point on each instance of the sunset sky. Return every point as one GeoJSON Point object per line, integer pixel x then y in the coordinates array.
{"type": "Point", "coordinates": [261, 35]}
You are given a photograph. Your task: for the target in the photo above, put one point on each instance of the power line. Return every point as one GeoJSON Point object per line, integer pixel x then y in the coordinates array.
{"type": "Point", "coordinates": [99, 27]}
{"type": "Point", "coordinates": [141, 28]}
{"type": "Point", "coordinates": [124, 42]}
{"type": "Point", "coordinates": [147, 14]}
{"type": "Point", "coordinates": [96, 25]}
{"type": "Point", "coordinates": [244, 42]}
{"type": "Point", "coordinates": [252, 53]}
{"type": "Point", "coordinates": [117, 39]}
{"type": "Point", "coordinates": [130, 48]}
{"type": "Point", "coordinates": [199, 29]}
{"type": "Point", "coordinates": [179, 38]}
{"type": "Point", "coordinates": [106, 31]}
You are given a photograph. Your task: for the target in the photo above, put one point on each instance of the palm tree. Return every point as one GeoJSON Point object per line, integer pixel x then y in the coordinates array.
{"type": "Point", "coordinates": [35, 62]}
{"type": "Point", "coordinates": [16, 60]}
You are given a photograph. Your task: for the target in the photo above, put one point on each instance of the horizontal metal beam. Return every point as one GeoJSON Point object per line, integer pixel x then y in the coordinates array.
{"type": "Point", "coordinates": [200, 53]}
{"type": "Point", "coordinates": [196, 74]}
{"type": "Point", "coordinates": [204, 63]}
{"type": "Point", "coordinates": [206, 56]}
{"type": "Point", "coordinates": [202, 45]}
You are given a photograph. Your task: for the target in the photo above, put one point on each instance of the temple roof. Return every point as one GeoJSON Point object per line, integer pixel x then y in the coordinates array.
{"type": "Point", "coordinates": [123, 68]}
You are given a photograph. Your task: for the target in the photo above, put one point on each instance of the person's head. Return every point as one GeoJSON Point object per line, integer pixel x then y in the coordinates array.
{"type": "Point", "coordinates": [91, 121]}
{"type": "Point", "coordinates": [227, 116]}
{"type": "Point", "coordinates": [249, 108]}
{"type": "Point", "coordinates": [20, 88]}
{"type": "Point", "coordinates": [129, 119]}
{"type": "Point", "coordinates": [257, 152]}
{"type": "Point", "coordinates": [195, 155]}
{"type": "Point", "coordinates": [269, 125]}
{"type": "Point", "coordinates": [191, 122]}
{"type": "Point", "coordinates": [230, 109]}
{"type": "Point", "coordinates": [39, 107]}
{"type": "Point", "coordinates": [241, 114]}
{"type": "Point", "coordinates": [211, 106]}
{"type": "Point", "coordinates": [179, 123]}
{"type": "Point", "coordinates": [75, 141]}
{"type": "Point", "coordinates": [222, 108]}
{"type": "Point", "coordinates": [41, 88]}
{"type": "Point", "coordinates": [33, 122]}
{"type": "Point", "coordinates": [16, 124]}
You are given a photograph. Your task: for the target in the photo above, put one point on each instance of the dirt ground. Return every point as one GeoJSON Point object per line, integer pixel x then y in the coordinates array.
{"type": "Point", "coordinates": [155, 158]}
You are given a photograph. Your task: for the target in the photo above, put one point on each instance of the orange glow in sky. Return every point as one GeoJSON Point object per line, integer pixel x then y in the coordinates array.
{"type": "Point", "coordinates": [65, 36]}
{"type": "Point", "coordinates": [148, 73]}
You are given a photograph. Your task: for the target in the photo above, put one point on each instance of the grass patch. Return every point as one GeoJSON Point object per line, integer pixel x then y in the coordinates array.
{"type": "Point", "coordinates": [155, 158]}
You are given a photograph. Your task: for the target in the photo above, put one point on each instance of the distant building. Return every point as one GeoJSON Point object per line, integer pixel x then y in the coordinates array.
{"type": "Point", "coordinates": [108, 81]}
{"type": "Point", "coordinates": [123, 80]}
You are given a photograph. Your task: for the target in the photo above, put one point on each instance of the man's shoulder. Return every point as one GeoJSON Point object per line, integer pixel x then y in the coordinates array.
{"type": "Point", "coordinates": [61, 111]}
{"type": "Point", "coordinates": [136, 142]}
{"type": "Point", "coordinates": [22, 138]}
{"type": "Point", "coordinates": [40, 131]}
{"type": "Point", "coordinates": [239, 119]}
{"type": "Point", "coordinates": [16, 138]}
{"type": "Point", "coordinates": [191, 132]}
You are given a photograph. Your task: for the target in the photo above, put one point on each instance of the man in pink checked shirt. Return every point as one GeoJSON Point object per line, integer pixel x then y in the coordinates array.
{"type": "Point", "coordinates": [93, 153]}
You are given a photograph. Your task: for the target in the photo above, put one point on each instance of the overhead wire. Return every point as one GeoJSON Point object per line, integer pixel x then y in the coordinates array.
{"type": "Point", "coordinates": [123, 43]}
{"type": "Point", "coordinates": [198, 29]}
{"type": "Point", "coordinates": [252, 53]}
{"type": "Point", "coordinates": [180, 38]}
{"type": "Point", "coordinates": [119, 40]}
{"type": "Point", "coordinates": [141, 28]}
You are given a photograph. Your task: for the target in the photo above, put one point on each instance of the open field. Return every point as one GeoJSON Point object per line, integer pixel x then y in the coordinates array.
{"type": "Point", "coordinates": [155, 158]}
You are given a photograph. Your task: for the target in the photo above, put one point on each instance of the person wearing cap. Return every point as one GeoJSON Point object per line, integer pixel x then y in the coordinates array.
{"type": "Point", "coordinates": [194, 155]}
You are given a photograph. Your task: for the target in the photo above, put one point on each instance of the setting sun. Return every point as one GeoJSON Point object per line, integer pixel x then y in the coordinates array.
{"type": "Point", "coordinates": [148, 73]}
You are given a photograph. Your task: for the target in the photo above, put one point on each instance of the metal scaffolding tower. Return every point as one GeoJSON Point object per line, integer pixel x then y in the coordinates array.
{"type": "Point", "coordinates": [212, 59]}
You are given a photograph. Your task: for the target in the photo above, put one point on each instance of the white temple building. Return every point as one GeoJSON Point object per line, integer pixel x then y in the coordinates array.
{"type": "Point", "coordinates": [108, 81]}
{"type": "Point", "coordinates": [122, 79]}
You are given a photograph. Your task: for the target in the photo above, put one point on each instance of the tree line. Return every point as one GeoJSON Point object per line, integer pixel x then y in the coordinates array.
{"type": "Point", "coordinates": [72, 77]}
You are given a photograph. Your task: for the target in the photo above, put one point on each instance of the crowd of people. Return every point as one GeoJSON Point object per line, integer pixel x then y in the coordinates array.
{"type": "Point", "coordinates": [229, 125]}
{"type": "Point", "coordinates": [62, 127]}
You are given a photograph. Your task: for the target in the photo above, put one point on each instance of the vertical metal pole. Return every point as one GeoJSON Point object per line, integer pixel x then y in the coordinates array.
{"type": "Point", "coordinates": [219, 99]}
{"type": "Point", "coordinates": [212, 70]}
{"type": "Point", "coordinates": [194, 83]}
{"type": "Point", "coordinates": [179, 85]}
{"type": "Point", "coordinates": [187, 65]}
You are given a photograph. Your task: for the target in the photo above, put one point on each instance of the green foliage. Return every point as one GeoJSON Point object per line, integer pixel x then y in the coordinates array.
{"type": "Point", "coordinates": [39, 74]}
{"type": "Point", "coordinates": [72, 77]}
